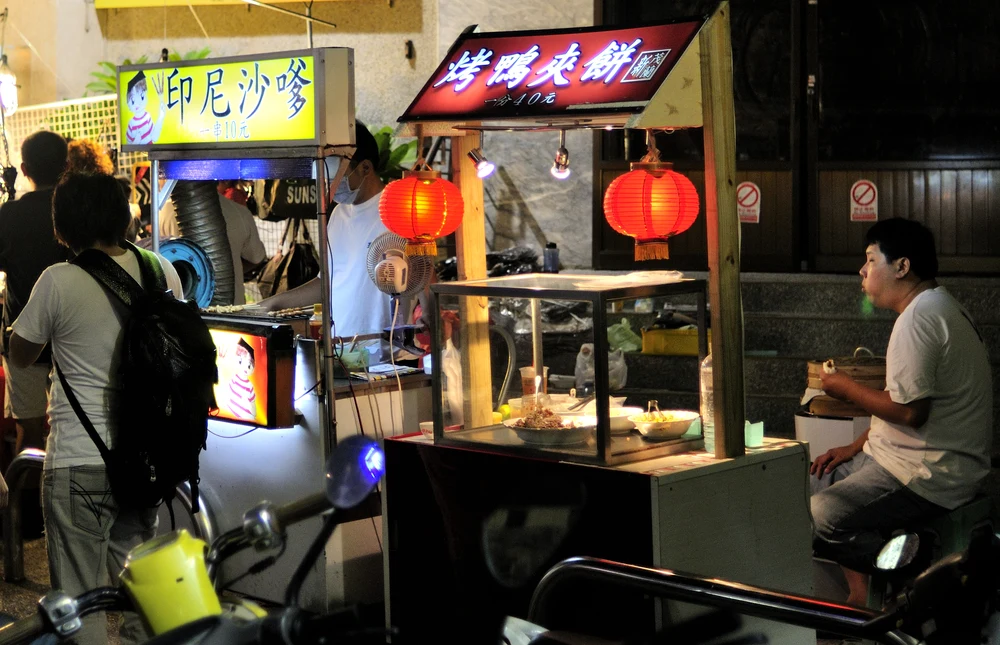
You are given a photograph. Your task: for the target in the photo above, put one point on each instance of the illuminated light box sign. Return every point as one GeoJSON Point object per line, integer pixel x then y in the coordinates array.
{"type": "Point", "coordinates": [255, 374]}
{"type": "Point", "coordinates": [552, 73]}
{"type": "Point", "coordinates": [301, 98]}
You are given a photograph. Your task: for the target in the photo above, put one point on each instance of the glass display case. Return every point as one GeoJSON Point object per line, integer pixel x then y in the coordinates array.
{"type": "Point", "coordinates": [486, 395]}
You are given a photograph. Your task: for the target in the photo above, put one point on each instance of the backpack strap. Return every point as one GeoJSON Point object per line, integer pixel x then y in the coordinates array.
{"type": "Point", "coordinates": [149, 265]}
{"type": "Point", "coordinates": [82, 416]}
{"type": "Point", "coordinates": [117, 280]}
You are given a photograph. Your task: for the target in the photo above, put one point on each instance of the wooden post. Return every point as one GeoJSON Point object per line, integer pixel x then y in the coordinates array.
{"type": "Point", "coordinates": [470, 240]}
{"type": "Point", "coordinates": [723, 233]}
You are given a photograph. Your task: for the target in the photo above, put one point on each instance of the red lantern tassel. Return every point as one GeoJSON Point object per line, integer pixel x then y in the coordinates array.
{"type": "Point", "coordinates": [652, 250]}
{"type": "Point", "coordinates": [421, 246]}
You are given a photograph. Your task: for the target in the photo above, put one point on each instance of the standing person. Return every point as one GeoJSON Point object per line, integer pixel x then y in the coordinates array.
{"type": "Point", "coordinates": [357, 306]}
{"type": "Point", "coordinates": [928, 447]}
{"type": "Point", "coordinates": [241, 229]}
{"type": "Point", "coordinates": [87, 535]}
{"type": "Point", "coordinates": [28, 247]}
{"type": "Point", "coordinates": [85, 155]}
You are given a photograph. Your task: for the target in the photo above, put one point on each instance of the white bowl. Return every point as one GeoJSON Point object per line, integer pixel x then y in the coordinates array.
{"type": "Point", "coordinates": [575, 430]}
{"type": "Point", "coordinates": [619, 417]}
{"type": "Point", "coordinates": [677, 423]}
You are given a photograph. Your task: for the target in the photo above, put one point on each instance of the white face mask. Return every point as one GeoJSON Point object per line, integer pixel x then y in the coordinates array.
{"type": "Point", "coordinates": [344, 194]}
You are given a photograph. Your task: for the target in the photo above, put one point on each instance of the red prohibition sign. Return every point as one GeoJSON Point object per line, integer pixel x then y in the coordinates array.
{"type": "Point", "coordinates": [863, 193]}
{"type": "Point", "coordinates": [747, 195]}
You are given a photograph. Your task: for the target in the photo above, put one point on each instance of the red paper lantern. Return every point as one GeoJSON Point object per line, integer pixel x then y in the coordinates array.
{"type": "Point", "coordinates": [421, 207]}
{"type": "Point", "coordinates": [651, 203]}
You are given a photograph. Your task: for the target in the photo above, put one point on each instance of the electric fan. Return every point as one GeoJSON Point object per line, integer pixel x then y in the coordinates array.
{"type": "Point", "coordinates": [392, 271]}
{"type": "Point", "coordinates": [398, 275]}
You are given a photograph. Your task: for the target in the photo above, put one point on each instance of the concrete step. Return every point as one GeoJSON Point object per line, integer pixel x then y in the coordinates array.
{"type": "Point", "coordinates": [771, 375]}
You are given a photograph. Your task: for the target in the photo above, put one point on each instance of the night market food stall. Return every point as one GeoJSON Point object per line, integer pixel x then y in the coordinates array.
{"type": "Point", "coordinates": [478, 512]}
{"type": "Point", "coordinates": [268, 116]}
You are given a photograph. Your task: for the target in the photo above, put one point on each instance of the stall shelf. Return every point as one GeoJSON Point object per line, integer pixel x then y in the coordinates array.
{"type": "Point", "coordinates": [602, 294]}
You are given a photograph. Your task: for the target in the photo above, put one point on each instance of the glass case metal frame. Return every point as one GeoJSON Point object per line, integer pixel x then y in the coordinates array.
{"type": "Point", "coordinates": [518, 286]}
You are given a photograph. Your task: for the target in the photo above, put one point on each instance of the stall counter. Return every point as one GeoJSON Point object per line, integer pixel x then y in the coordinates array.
{"type": "Point", "coordinates": [743, 519]}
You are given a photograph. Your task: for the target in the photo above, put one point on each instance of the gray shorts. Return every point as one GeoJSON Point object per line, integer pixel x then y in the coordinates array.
{"type": "Point", "coordinates": [857, 506]}
{"type": "Point", "coordinates": [26, 390]}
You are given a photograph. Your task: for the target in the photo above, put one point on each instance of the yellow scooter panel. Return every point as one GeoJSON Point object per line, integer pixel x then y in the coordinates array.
{"type": "Point", "coordinates": [168, 581]}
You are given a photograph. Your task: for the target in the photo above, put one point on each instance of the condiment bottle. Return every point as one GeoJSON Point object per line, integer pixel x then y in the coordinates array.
{"type": "Point", "coordinates": [550, 258]}
{"type": "Point", "coordinates": [316, 323]}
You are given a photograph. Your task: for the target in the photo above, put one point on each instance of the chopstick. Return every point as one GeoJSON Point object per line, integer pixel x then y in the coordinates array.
{"type": "Point", "coordinates": [582, 402]}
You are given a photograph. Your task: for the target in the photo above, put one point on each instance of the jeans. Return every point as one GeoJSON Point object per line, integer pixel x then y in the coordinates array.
{"type": "Point", "coordinates": [856, 506]}
{"type": "Point", "coordinates": [87, 537]}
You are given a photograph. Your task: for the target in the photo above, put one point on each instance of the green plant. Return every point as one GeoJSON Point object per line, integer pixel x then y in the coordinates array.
{"type": "Point", "coordinates": [106, 77]}
{"type": "Point", "coordinates": [392, 161]}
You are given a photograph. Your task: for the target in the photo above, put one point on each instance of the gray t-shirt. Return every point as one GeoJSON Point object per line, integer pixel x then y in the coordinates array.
{"type": "Point", "coordinates": [936, 352]}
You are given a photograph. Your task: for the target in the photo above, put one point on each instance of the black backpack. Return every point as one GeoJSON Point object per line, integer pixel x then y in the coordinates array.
{"type": "Point", "coordinates": [158, 414]}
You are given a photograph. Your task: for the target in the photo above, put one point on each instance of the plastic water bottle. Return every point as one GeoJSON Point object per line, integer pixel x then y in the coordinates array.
{"type": "Point", "coordinates": [707, 405]}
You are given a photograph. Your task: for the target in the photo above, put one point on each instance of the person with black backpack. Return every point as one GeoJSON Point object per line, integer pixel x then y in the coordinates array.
{"type": "Point", "coordinates": [108, 314]}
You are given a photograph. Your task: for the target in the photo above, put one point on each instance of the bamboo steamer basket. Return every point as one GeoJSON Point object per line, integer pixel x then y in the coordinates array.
{"type": "Point", "coordinates": [864, 367]}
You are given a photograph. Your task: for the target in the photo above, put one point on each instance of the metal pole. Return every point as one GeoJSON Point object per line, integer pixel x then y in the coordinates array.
{"type": "Point", "coordinates": [154, 199]}
{"type": "Point", "coordinates": [309, 24]}
{"type": "Point", "coordinates": [536, 339]}
{"type": "Point", "coordinates": [327, 398]}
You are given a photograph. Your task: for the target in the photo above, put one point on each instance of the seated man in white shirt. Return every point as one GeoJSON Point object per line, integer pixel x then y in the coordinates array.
{"type": "Point", "coordinates": [928, 448]}
{"type": "Point", "coordinates": [241, 229]}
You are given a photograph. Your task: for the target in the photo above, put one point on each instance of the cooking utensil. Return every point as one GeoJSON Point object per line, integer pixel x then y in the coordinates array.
{"type": "Point", "coordinates": [582, 402]}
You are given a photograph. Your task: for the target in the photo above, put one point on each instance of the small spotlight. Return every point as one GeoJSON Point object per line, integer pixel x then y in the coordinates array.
{"type": "Point", "coordinates": [560, 167]}
{"type": "Point", "coordinates": [484, 167]}
{"type": "Point", "coordinates": [609, 128]}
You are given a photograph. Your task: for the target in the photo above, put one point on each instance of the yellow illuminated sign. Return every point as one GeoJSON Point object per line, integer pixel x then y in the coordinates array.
{"type": "Point", "coordinates": [226, 103]}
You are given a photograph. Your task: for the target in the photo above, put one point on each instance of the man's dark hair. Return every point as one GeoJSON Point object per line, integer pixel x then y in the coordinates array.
{"type": "Point", "coordinates": [906, 238]}
{"type": "Point", "coordinates": [88, 208]}
{"type": "Point", "coordinates": [44, 156]}
{"type": "Point", "coordinates": [367, 148]}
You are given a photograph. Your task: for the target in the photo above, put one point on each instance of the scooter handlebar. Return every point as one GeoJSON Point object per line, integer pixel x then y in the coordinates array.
{"type": "Point", "coordinates": [302, 509]}
{"type": "Point", "coordinates": [23, 631]}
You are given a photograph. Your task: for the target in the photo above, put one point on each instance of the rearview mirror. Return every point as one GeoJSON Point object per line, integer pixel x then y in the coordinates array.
{"type": "Point", "coordinates": [898, 552]}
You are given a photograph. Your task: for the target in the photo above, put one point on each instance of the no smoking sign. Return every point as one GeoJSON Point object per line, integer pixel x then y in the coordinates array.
{"type": "Point", "coordinates": [748, 202]}
{"type": "Point", "coordinates": [864, 201]}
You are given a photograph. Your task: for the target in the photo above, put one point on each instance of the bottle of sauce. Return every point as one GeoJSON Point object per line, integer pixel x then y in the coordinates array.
{"type": "Point", "coordinates": [550, 258]}
{"type": "Point", "coordinates": [316, 323]}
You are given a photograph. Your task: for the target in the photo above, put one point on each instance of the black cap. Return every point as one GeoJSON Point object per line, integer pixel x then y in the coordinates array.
{"type": "Point", "coordinates": [246, 346]}
{"type": "Point", "coordinates": [550, 245]}
{"type": "Point", "coordinates": [135, 81]}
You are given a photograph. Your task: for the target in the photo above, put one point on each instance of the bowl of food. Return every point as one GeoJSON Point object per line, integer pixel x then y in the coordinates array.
{"type": "Point", "coordinates": [619, 417]}
{"type": "Point", "coordinates": [543, 427]}
{"type": "Point", "coordinates": [660, 425]}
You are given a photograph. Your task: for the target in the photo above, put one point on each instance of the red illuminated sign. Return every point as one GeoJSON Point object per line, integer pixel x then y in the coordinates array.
{"type": "Point", "coordinates": [550, 73]}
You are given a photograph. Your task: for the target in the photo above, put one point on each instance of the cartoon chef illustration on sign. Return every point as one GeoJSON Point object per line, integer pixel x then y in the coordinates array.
{"type": "Point", "coordinates": [242, 396]}
{"type": "Point", "coordinates": [141, 129]}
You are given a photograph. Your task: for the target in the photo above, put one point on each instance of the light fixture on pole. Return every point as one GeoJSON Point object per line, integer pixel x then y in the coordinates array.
{"type": "Point", "coordinates": [560, 167]}
{"type": "Point", "coordinates": [484, 167]}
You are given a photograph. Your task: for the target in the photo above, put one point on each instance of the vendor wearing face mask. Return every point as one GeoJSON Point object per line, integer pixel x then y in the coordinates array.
{"type": "Point", "coordinates": [357, 306]}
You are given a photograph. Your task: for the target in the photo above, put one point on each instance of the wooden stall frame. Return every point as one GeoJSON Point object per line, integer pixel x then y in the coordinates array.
{"type": "Point", "coordinates": [673, 106]}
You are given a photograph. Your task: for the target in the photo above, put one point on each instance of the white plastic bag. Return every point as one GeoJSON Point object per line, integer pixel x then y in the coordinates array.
{"type": "Point", "coordinates": [584, 372]}
{"type": "Point", "coordinates": [617, 370]}
{"type": "Point", "coordinates": [451, 369]}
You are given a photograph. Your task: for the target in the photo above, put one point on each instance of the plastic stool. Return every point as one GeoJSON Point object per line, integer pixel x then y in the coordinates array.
{"type": "Point", "coordinates": [952, 530]}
